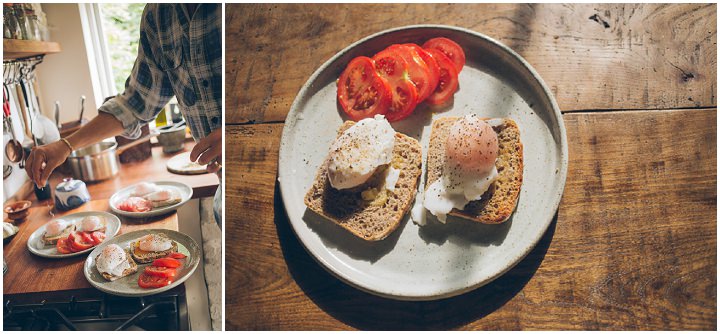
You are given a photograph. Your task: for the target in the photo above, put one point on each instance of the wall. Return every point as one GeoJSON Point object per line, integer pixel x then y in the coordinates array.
{"type": "Point", "coordinates": [66, 75]}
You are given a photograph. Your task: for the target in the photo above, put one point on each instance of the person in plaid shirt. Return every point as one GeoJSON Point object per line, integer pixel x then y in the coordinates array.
{"type": "Point", "coordinates": [179, 54]}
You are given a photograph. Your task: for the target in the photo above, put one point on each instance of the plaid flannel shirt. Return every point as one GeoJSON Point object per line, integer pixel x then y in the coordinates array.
{"type": "Point", "coordinates": [176, 56]}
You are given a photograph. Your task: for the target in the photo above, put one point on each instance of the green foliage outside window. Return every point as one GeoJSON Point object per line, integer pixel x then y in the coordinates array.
{"type": "Point", "coordinates": [121, 25]}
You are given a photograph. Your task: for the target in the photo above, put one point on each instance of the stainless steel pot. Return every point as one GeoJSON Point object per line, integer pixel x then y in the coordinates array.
{"type": "Point", "coordinates": [94, 163]}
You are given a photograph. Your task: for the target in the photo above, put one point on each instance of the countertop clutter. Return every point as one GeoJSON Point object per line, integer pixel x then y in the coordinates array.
{"type": "Point", "coordinates": [633, 244]}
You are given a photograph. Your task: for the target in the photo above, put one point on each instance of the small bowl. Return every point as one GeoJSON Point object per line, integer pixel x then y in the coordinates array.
{"type": "Point", "coordinates": [18, 211]}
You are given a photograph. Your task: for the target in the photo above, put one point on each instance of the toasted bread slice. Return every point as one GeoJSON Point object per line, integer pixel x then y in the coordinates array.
{"type": "Point", "coordinates": [371, 218]}
{"type": "Point", "coordinates": [142, 256]}
{"type": "Point", "coordinates": [172, 201]}
{"type": "Point", "coordinates": [129, 271]}
{"type": "Point", "coordinates": [53, 240]}
{"type": "Point", "coordinates": [498, 203]}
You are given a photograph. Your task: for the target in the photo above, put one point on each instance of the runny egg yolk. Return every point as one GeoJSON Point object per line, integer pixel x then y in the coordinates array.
{"type": "Point", "coordinates": [471, 146]}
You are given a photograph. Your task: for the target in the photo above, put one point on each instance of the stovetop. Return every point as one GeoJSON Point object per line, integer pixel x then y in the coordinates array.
{"type": "Point", "coordinates": [166, 311]}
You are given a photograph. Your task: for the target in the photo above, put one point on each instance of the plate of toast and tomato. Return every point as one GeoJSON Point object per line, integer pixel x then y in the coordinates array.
{"type": "Point", "coordinates": [433, 161]}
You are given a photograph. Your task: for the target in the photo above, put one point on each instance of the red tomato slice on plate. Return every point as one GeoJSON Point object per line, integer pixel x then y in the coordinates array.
{"type": "Point", "coordinates": [393, 68]}
{"type": "Point", "coordinates": [362, 93]}
{"type": "Point", "coordinates": [63, 247]}
{"type": "Point", "coordinates": [167, 262]}
{"type": "Point", "coordinates": [147, 281]}
{"type": "Point", "coordinates": [161, 271]}
{"type": "Point", "coordinates": [449, 48]}
{"type": "Point", "coordinates": [430, 63]}
{"type": "Point", "coordinates": [98, 237]}
{"type": "Point", "coordinates": [87, 237]}
{"type": "Point", "coordinates": [176, 255]}
{"type": "Point", "coordinates": [448, 83]}
{"type": "Point", "coordinates": [417, 70]}
{"type": "Point", "coordinates": [77, 242]}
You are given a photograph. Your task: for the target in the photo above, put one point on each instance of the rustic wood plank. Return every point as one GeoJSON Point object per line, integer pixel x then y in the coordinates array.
{"type": "Point", "coordinates": [592, 56]}
{"type": "Point", "coordinates": [30, 273]}
{"type": "Point", "coordinates": [633, 245]}
{"type": "Point", "coordinates": [18, 48]}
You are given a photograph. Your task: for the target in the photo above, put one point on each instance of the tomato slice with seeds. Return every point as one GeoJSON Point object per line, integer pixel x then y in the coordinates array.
{"type": "Point", "coordinates": [449, 48]}
{"type": "Point", "coordinates": [393, 68]}
{"type": "Point", "coordinates": [431, 65]}
{"type": "Point", "coordinates": [161, 271]}
{"type": "Point", "coordinates": [417, 70]}
{"type": "Point", "coordinates": [86, 237]}
{"type": "Point", "coordinates": [98, 237]}
{"type": "Point", "coordinates": [362, 93]}
{"type": "Point", "coordinates": [177, 255]}
{"type": "Point", "coordinates": [448, 83]}
{"type": "Point", "coordinates": [167, 262]}
{"type": "Point", "coordinates": [63, 247]}
{"type": "Point", "coordinates": [147, 281]}
{"type": "Point", "coordinates": [77, 242]}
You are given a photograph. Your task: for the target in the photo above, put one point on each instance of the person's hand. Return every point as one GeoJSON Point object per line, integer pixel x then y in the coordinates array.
{"type": "Point", "coordinates": [44, 159]}
{"type": "Point", "coordinates": [208, 151]}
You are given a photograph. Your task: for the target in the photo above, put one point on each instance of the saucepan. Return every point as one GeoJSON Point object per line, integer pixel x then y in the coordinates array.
{"type": "Point", "coordinates": [99, 161]}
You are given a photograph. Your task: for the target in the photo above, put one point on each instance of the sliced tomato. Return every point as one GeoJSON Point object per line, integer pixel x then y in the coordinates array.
{"type": "Point", "coordinates": [63, 247]}
{"type": "Point", "coordinates": [167, 262]}
{"type": "Point", "coordinates": [176, 255]}
{"type": "Point", "coordinates": [161, 271]}
{"type": "Point", "coordinates": [430, 63]}
{"type": "Point", "coordinates": [86, 237]}
{"type": "Point", "coordinates": [362, 93]}
{"type": "Point", "coordinates": [393, 68]}
{"type": "Point", "coordinates": [77, 242]}
{"type": "Point", "coordinates": [98, 237]}
{"type": "Point", "coordinates": [147, 281]}
{"type": "Point", "coordinates": [449, 48]}
{"type": "Point", "coordinates": [448, 83]}
{"type": "Point", "coordinates": [417, 70]}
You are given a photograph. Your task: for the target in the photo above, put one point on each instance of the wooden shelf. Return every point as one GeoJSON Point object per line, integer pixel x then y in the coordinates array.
{"type": "Point", "coordinates": [18, 48]}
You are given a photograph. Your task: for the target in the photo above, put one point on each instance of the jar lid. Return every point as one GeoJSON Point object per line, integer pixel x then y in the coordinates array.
{"type": "Point", "coordinates": [69, 184]}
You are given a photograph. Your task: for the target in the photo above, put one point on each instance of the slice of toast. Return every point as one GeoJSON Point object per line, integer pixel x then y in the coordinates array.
{"type": "Point", "coordinates": [371, 220]}
{"type": "Point", "coordinates": [129, 271]}
{"type": "Point", "coordinates": [142, 256]}
{"type": "Point", "coordinates": [53, 240]}
{"type": "Point", "coordinates": [498, 203]}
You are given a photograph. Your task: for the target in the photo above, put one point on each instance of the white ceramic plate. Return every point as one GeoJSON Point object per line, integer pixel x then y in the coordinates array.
{"type": "Point", "coordinates": [181, 164]}
{"type": "Point", "coordinates": [432, 261]}
{"type": "Point", "coordinates": [128, 285]}
{"type": "Point", "coordinates": [122, 194]}
{"type": "Point", "coordinates": [37, 247]}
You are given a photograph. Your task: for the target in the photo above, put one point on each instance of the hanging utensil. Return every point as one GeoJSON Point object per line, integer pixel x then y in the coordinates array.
{"type": "Point", "coordinates": [13, 150]}
{"type": "Point", "coordinates": [82, 108]}
{"type": "Point", "coordinates": [57, 115]}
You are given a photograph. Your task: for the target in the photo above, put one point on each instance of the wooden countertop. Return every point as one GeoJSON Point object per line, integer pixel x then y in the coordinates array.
{"type": "Point", "coordinates": [29, 273]}
{"type": "Point", "coordinates": [634, 244]}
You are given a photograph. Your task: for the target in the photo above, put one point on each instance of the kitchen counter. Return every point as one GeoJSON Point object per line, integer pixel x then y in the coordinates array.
{"type": "Point", "coordinates": [29, 273]}
{"type": "Point", "coordinates": [634, 243]}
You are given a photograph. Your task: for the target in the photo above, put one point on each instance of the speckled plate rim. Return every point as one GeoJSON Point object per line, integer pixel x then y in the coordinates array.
{"type": "Point", "coordinates": [186, 191]}
{"type": "Point", "coordinates": [283, 173]}
{"type": "Point", "coordinates": [111, 230]}
{"type": "Point", "coordinates": [187, 242]}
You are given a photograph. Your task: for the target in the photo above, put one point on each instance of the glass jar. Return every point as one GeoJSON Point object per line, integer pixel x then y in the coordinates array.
{"type": "Point", "coordinates": [11, 27]}
{"type": "Point", "coordinates": [22, 21]}
{"type": "Point", "coordinates": [33, 26]}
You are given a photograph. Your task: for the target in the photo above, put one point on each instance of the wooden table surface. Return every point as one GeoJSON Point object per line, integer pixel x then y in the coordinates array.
{"type": "Point", "coordinates": [634, 242]}
{"type": "Point", "coordinates": [30, 273]}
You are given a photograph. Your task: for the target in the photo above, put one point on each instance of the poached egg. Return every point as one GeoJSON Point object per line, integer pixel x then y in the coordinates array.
{"type": "Point", "coordinates": [144, 188]}
{"type": "Point", "coordinates": [91, 223]}
{"type": "Point", "coordinates": [469, 167]}
{"type": "Point", "coordinates": [161, 195]}
{"type": "Point", "coordinates": [112, 260]}
{"type": "Point", "coordinates": [56, 227]}
{"type": "Point", "coordinates": [359, 151]}
{"type": "Point", "coordinates": [154, 243]}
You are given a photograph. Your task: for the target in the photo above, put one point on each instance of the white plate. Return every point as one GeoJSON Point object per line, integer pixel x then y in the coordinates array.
{"type": "Point", "coordinates": [181, 164]}
{"type": "Point", "coordinates": [128, 285]}
{"type": "Point", "coordinates": [37, 247]}
{"type": "Point", "coordinates": [122, 194]}
{"type": "Point", "coordinates": [432, 261]}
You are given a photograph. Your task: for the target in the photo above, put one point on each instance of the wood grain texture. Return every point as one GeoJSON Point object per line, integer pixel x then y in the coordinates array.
{"type": "Point", "coordinates": [592, 56]}
{"type": "Point", "coordinates": [633, 245]}
{"type": "Point", "coordinates": [30, 273]}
